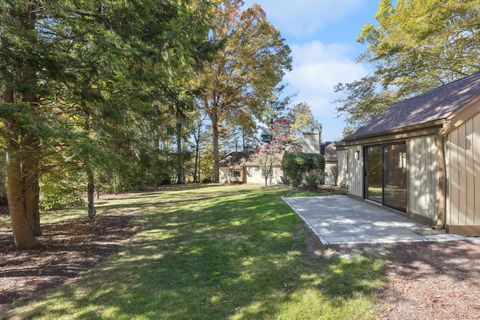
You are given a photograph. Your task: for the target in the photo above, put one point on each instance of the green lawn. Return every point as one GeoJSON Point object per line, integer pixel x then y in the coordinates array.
{"type": "Point", "coordinates": [213, 253]}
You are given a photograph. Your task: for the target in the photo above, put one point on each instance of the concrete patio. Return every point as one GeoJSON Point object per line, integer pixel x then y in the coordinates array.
{"type": "Point", "coordinates": [343, 220]}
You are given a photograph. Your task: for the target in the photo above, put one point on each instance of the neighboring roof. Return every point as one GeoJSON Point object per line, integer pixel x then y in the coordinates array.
{"type": "Point", "coordinates": [434, 105]}
{"type": "Point", "coordinates": [236, 160]}
{"type": "Point", "coordinates": [330, 153]}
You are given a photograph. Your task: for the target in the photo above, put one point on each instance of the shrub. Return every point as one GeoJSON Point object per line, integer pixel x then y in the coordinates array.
{"type": "Point", "coordinates": [313, 179]}
{"type": "Point", "coordinates": [206, 180]}
{"type": "Point", "coordinates": [334, 172]}
{"type": "Point", "coordinates": [296, 165]}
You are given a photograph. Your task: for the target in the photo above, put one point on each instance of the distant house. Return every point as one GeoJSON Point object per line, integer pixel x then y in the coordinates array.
{"type": "Point", "coordinates": [249, 166]}
{"type": "Point", "coordinates": [422, 157]}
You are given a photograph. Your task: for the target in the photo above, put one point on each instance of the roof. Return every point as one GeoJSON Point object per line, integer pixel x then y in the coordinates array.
{"type": "Point", "coordinates": [236, 160]}
{"type": "Point", "coordinates": [434, 105]}
{"type": "Point", "coordinates": [330, 153]}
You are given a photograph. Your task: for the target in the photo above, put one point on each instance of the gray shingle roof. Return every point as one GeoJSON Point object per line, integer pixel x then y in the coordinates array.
{"type": "Point", "coordinates": [331, 152]}
{"type": "Point", "coordinates": [436, 104]}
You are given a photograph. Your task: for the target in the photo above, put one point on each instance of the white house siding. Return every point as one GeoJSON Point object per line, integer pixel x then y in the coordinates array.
{"type": "Point", "coordinates": [342, 167]}
{"type": "Point", "coordinates": [423, 176]}
{"type": "Point", "coordinates": [355, 171]}
{"type": "Point", "coordinates": [255, 176]}
{"type": "Point", "coordinates": [224, 175]}
{"type": "Point", "coordinates": [227, 177]}
{"type": "Point", "coordinates": [463, 173]}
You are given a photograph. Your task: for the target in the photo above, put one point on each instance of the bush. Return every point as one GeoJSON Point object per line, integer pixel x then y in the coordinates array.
{"type": "Point", "coordinates": [313, 179]}
{"type": "Point", "coordinates": [296, 165]}
{"type": "Point", "coordinates": [334, 172]}
{"type": "Point", "coordinates": [206, 180]}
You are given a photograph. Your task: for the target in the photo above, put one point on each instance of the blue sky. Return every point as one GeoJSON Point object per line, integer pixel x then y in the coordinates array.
{"type": "Point", "coordinates": [321, 34]}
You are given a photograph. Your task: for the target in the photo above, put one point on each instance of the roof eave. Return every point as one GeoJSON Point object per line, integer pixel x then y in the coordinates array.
{"type": "Point", "coordinates": [425, 125]}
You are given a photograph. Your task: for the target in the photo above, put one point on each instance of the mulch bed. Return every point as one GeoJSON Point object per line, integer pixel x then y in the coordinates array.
{"type": "Point", "coordinates": [432, 281]}
{"type": "Point", "coordinates": [65, 250]}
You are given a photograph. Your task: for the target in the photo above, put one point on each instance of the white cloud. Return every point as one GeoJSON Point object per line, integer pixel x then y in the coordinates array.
{"type": "Point", "coordinates": [317, 68]}
{"type": "Point", "coordinates": [303, 17]}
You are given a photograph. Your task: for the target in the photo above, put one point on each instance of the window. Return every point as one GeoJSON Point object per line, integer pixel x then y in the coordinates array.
{"type": "Point", "coordinates": [236, 174]}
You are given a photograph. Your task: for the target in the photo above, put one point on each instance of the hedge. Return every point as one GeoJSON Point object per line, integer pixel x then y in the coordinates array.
{"type": "Point", "coordinates": [296, 165]}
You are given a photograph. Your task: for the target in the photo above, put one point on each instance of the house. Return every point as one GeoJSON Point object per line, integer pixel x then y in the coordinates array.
{"type": "Point", "coordinates": [249, 167]}
{"type": "Point", "coordinates": [421, 157]}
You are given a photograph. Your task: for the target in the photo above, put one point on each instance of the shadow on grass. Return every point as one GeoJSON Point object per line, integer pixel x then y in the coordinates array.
{"type": "Point", "coordinates": [216, 258]}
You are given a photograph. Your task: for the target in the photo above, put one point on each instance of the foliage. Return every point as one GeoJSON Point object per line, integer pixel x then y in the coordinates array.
{"type": "Point", "coordinates": [60, 189]}
{"type": "Point", "coordinates": [334, 173]}
{"type": "Point", "coordinates": [296, 165]}
{"type": "Point", "coordinates": [303, 120]}
{"type": "Point", "coordinates": [416, 45]}
{"type": "Point", "coordinates": [250, 62]}
{"type": "Point", "coordinates": [313, 179]}
{"type": "Point", "coordinates": [229, 255]}
{"type": "Point", "coordinates": [84, 84]}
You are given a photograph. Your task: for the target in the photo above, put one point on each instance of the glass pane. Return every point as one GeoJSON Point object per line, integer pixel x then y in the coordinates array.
{"type": "Point", "coordinates": [374, 173]}
{"type": "Point", "coordinates": [395, 162]}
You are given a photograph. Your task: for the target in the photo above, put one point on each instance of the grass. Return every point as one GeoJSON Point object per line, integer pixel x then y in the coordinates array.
{"type": "Point", "coordinates": [214, 253]}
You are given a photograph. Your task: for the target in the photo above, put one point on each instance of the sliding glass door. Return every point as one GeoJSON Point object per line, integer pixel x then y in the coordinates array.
{"type": "Point", "coordinates": [373, 170]}
{"type": "Point", "coordinates": [386, 174]}
{"type": "Point", "coordinates": [395, 175]}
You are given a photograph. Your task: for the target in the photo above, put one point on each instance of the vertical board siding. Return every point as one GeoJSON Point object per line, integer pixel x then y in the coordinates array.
{"type": "Point", "coordinates": [469, 173]}
{"type": "Point", "coordinates": [476, 168]}
{"type": "Point", "coordinates": [355, 171]}
{"type": "Point", "coordinates": [423, 176]}
{"type": "Point", "coordinates": [342, 168]}
{"type": "Point", "coordinates": [463, 173]}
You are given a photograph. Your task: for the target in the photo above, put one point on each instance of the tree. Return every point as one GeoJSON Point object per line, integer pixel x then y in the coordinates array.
{"type": "Point", "coordinates": [303, 120]}
{"type": "Point", "coordinates": [199, 138]}
{"type": "Point", "coordinates": [417, 45]}
{"type": "Point", "coordinates": [279, 138]}
{"type": "Point", "coordinates": [250, 62]}
{"type": "Point", "coordinates": [77, 73]}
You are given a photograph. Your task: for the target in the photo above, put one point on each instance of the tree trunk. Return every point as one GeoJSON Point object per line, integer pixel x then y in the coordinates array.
{"type": "Point", "coordinates": [32, 191]}
{"type": "Point", "coordinates": [180, 165]}
{"type": "Point", "coordinates": [216, 156]}
{"type": "Point", "coordinates": [3, 178]}
{"type": "Point", "coordinates": [22, 232]}
{"type": "Point", "coordinates": [31, 164]}
{"type": "Point", "coordinates": [92, 212]}
{"type": "Point", "coordinates": [195, 169]}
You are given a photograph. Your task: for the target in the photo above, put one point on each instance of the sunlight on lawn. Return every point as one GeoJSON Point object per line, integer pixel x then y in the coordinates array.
{"type": "Point", "coordinates": [235, 252]}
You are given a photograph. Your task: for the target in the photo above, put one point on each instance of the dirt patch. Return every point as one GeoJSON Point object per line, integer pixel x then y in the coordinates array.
{"type": "Point", "coordinates": [433, 281]}
{"type": "Point", "coordinates": [65, 250]}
